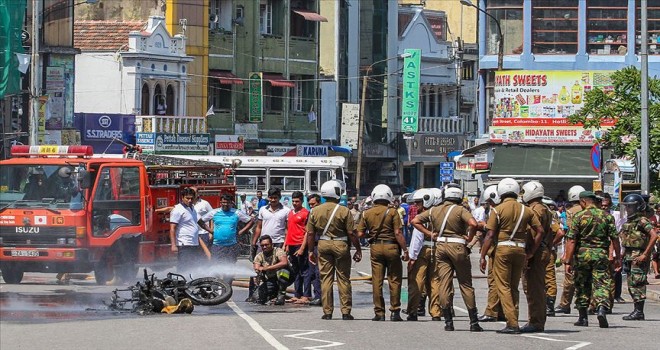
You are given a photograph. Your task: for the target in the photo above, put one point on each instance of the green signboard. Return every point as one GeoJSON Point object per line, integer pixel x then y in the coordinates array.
{"type": "Point", "coordinates": [410, 99]}
{"type": "Point", "coordinates": [256, 98]}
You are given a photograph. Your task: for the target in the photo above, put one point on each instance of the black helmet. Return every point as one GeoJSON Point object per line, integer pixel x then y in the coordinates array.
{"type": "Point", "coordinates": [633, 204]}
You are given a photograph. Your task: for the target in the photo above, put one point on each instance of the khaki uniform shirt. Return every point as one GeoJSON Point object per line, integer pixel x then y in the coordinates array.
{"type": "Point", "coordinates": [372, 218]}
{"type": "Point", "coordinates": [341, 226]}
{"type": "Point", "coordinates": [545, 218]}
{"type": "Point", "coordinates": [509, 212]}
{"type": "Point", "coordinates": [570, 214]}
{"type": "Point", "coordinates": [457, 221]}
{"type": "Point", "coordinates": [268, 260]}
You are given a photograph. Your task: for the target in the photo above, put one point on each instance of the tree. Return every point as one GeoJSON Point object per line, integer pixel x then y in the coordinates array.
{"type": "Point", "coordinates": [623, 104]}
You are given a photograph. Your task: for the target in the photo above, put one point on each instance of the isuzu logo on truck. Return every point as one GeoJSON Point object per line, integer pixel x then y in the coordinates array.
{"type": "Point", "coordinates": [25, 229]}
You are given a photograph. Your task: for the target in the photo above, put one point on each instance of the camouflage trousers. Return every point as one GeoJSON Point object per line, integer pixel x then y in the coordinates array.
{"type": "Point", "coordinates": [592, 279]}
{"type": "Point", "coordinates": [637, 279]}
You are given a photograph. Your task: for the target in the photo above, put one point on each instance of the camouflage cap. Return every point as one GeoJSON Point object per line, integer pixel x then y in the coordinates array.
{"type": "Point", "coordinates": [588, 194]}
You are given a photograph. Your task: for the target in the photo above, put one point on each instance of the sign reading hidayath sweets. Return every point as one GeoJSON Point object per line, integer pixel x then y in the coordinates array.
{"type": "Point", "coordinates": [410, 99]}
{"type": "Point", "coordinates": [256, 98]}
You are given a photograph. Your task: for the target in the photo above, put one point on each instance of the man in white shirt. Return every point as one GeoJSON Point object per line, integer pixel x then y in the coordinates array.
{"type": "Point", "coordinates": [272, 219]}
{"type": "Point", "coordinates": [202, 207]}
{"type": "Point", "coordinates": [184, 232]}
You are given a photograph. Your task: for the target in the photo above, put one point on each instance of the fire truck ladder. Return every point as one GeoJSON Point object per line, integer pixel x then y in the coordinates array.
{"type": "Point", "coordinates": [153, 160]}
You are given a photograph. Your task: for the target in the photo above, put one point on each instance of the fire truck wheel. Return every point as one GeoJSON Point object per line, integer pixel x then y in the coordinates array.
{"type": "Point", "coordinates": [208, 291]}
{"type": "Point", "coordinates": [103, 271]}
{"type": "Point", "coordinates": [12, 274]}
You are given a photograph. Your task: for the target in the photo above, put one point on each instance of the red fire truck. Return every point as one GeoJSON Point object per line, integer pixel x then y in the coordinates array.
{"type": "Point", "coordinates": [62, 209]}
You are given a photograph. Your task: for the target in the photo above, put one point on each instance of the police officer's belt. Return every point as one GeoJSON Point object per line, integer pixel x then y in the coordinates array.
{"type": "Point", "coordinates": [385, 241]}
{"type": "Point", "coordinates": [451, 240]}
{"type": "Point", "coordinates": [512, 244]}
{"type": "Point", "coordinates": [328, 238]}
{"type": "Point", "coordinates": [428, 243]}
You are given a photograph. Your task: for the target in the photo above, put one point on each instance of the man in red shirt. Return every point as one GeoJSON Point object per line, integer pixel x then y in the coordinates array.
{"type": "Point", "coordinates": [297, 250]}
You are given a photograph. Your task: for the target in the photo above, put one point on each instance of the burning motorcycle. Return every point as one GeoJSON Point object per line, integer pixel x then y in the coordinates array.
{"type": "Point", "coordinates": [172, 294]}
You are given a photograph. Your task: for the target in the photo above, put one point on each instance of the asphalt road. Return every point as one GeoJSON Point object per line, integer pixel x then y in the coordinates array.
{"type": "Point", "coordinates": [39, 314]}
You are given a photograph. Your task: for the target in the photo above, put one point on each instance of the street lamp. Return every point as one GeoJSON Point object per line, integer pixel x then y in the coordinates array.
{"type": "Point", "coordinates": [365, 80]}
{"type": "Point", "coordinates": [500, 44]}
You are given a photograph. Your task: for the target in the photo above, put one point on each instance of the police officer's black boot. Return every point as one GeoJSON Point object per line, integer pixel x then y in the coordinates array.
{"type": "Point", "coordinates": [583, 320]}
{"type": "Point", "coordinates": [281, 298]}
{"type": "Point", "coordinates": [421, 309]}
{"type": "Point", "coordinates": [563, 309]}
{"type": "Point", "coordinates": [396, 316]}
{"type": "Point", "coordinates": [550, 306]}
{"type": "Point", "coordinates": [637, 314]}
{"type": "Point", "coordinates": [601, 313]}
{"type": "Point", "coordinates": [449, 320]}
{"type": "Point", "coordinates": [474, 321]}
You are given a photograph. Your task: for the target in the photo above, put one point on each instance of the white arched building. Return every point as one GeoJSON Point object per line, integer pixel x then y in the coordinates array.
{"type": "Point", "coordinates": [130, 68]}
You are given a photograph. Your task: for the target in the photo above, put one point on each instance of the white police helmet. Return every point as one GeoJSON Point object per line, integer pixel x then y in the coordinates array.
{"type": "Point", "coordinates": [331, 189]}
{"type": "Point", "coordinates": [425, 195]}
{"type": "Point", "coordinates": [532, 190]}
{"type": "Point", "coordinates": [490, 193]}
{"type": "Point", "coordinates": [574, 193]}
{"type": "Point", "coordinates": [453, 193]}
{"type": "Point", "coordinates": [508, 185]}
{"type": "Point", "coordinates": [382, 192]}
{"type": "Point", "coordinates": [437, 194]}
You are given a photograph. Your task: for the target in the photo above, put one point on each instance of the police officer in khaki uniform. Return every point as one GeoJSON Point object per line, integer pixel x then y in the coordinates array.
{"type": "Point", "coordinates": [493, 311]}
{"type": "Point", "coordinates": [450, 224]}
{"type": "Point", "coordinates": [420, 265]}
{"type": "Point", "coordinates": [332, 227]}
{"type": "Point", "coordinates": [550, 269]}
{"type": "Point", "coordinates": [534, 275]}
{"type": "Point", "coordinates": [383, 226]}
{"type": "Point", "coordinates": [512, 251]}
{"type": "Point", "coordinates": [568, 286]}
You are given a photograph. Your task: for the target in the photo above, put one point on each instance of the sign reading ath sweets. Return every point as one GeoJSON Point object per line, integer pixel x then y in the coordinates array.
{"type": "Point", "coordinates": [410, 99]}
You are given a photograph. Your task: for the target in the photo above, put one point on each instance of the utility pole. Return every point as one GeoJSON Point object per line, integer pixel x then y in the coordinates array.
{"type": "Point", "coordinates": [358, 173]}
{"type": "Point", "coordinates": [35, 74]}
{"type": "Point", "coordinates": [644, 55]}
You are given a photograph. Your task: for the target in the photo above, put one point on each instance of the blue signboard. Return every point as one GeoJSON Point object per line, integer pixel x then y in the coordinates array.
{"type": "Point", "coordinates": [447, 165]}
{"type": "Point", "coordinates": [449, 172]}
{"type": "Point", "coordinates": [447, 178]}
{"type": "Point", "coordinates": [99, 129]}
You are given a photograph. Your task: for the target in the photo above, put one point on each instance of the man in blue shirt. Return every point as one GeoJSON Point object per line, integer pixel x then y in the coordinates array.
{"type": "Point", "coordinates": [262, 201]}
{"type": "Point", "coordinates": [223, 230]}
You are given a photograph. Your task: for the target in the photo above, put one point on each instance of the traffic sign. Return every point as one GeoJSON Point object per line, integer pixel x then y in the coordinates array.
{"type": "Point", "coordinates": [447, 165]}
{"type": "Point", "coordinates": [448, 178]}
{"type": "Point", "coordinates": [445, 171]}
{"type": "Point", "coordinates": [596, 157]}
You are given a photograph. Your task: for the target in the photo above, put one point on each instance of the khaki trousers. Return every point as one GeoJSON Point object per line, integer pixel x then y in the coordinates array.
{"type": "Point", "coordinates": [450, 258]}
{"type": "Point", "coordinates": [335, 258]}
{"type": "Point", "coordinates": [551, 275]}
{"type": "Point", "coordinates": [494, 308]}
{"type": "Point", "coordinates": [568, 291]}
{"type": "Point", "coordinates": [534, 285]}
{"type": "Point", "coordinates": [507, 270]}
{"type": "Point", "coordinates": [385, 259]}
{"type": "Point", "coordinates": [419, 279]}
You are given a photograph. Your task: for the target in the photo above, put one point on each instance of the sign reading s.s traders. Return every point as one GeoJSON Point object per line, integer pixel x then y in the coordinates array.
{"type": "Point", "coordinates": [256, 98]}
{"type": "Point", "coordinates": [410, 99]}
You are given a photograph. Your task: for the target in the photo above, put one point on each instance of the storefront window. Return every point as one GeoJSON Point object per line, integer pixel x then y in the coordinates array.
{"type": "Point", "coordinates": [607, 27]}
{"type": "Point", "coordinates": [510, 15]}
{"type": "Point", "coordinates": [555, 27]}
{"type": "Point", "coordinates": [653, 16]}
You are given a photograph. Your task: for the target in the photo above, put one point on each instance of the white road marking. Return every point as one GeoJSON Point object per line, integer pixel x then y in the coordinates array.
{"type": "Point", "coordinates": [257, 327]}
{"type": "Point", "coordinates": [309, 332]}
{"type": "Point", "coordinates": [580, 344]}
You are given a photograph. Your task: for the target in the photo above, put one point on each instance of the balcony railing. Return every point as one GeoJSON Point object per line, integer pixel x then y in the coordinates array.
{"type": "Point", "coordinates": [170, 124]}
{"type": "Point", "coordinates": [442, 125]}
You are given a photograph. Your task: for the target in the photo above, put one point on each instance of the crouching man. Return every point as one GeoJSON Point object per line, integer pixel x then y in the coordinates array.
{"type": "Point", "coordinates": [273, 273]}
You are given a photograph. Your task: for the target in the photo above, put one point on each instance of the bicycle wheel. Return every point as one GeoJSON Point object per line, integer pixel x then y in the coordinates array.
{"type": "Point", "coordinates": [208, 291]}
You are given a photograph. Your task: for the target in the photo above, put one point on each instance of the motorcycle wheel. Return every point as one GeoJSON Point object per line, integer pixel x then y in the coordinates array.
{"type": "Point", "coordinates": [208, 291]}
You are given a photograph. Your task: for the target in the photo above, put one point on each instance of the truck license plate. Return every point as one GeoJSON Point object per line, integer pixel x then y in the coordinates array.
{"type": "Point", "coordinates": [23, 253]}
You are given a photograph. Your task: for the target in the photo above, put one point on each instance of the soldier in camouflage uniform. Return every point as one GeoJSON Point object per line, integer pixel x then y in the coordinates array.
{"type": "Point", "coordinates": [588, 240]}
{"type": "Point", "coordinates": [638, 237]}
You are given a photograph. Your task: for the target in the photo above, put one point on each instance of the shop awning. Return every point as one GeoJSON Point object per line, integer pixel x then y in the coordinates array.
{"type": "Point", "coordinates": [311, 16]}
{"type": "Point", "coordinates": [278, 80]}
{"type": "Point", "coordinates": [543, 163]}
{"type": "Point", "coordinates": [226, 77]}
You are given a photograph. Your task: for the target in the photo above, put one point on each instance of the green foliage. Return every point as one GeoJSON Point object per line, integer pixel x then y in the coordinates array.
{"type": "Point", "coordinates": [624, 105]}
